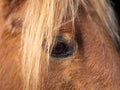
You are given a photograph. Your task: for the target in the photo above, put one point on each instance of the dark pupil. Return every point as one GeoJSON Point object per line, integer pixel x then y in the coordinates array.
{"type": "Point", "coordinates": [61, 49]}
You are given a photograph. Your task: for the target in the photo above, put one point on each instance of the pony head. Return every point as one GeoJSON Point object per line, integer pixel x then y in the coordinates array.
{"type": "Point", "coordinates": [59, 44]}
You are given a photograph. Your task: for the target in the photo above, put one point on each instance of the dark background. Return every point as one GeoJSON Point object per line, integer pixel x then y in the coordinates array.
{"type": "Point", "coordinates": [116, 5]}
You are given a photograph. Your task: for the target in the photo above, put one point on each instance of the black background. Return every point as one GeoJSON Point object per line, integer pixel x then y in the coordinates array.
{"type": "Point", "coordinates": [116, 5]}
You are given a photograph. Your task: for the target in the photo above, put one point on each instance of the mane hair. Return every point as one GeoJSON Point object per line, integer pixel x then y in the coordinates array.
{"type": "Point", "coordinates": [42, 22]}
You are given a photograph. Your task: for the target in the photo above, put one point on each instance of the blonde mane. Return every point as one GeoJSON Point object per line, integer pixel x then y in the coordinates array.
{"type": "Point", "coordinates": [42, 22]}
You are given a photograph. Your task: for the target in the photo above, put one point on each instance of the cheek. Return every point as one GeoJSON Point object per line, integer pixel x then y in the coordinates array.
{"type": "Point", "coordinates": [10, 65]}
{"type": "Point", "coordinates": [64, 74]}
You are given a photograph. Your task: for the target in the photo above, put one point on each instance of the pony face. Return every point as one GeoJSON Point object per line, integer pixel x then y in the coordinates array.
{"type": "Point", "coordinates": [83, 71]}
{"type": "Point", "coordinates": [58, 45]}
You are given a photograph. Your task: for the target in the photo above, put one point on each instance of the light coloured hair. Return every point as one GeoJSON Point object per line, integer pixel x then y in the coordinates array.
{"type": "Point", "coordinates": [42, 22]}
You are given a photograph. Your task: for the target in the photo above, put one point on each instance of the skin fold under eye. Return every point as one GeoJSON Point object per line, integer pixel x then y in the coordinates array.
{"type": "Point", "coordinates": [62, 48]}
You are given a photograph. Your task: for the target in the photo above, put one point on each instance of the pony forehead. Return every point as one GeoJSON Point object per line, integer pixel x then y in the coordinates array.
{"type": "Point", "coordinates": [101, 8]}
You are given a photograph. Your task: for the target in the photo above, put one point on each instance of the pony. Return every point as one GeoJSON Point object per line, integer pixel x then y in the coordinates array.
{"type": "Point", "coordinates": [59, 45]}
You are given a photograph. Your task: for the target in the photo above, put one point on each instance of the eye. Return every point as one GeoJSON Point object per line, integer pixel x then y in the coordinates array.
{"type": "Point", "coordinates": [62, 48]}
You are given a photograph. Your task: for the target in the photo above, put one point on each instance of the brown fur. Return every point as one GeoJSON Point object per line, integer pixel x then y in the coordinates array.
{"type": "Point", "coordinates": [94, 66]}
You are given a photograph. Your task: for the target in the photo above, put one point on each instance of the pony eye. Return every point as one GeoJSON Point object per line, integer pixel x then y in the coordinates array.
{"type": "Point", "coordinates": [62, 48]}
